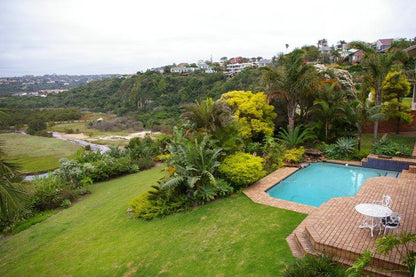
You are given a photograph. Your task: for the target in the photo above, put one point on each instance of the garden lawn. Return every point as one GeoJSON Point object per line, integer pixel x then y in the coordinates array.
{"type": "Point", "coordinates": [231, 237]}
{"type": "Point", "coordinates": [36, 154]}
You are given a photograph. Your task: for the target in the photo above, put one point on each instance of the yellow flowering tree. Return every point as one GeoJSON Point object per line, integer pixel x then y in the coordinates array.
{"type": "Point", "coordinates": [254, 115]}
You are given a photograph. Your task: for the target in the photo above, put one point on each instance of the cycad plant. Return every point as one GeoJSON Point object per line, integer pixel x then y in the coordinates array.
{"type": "Point", "coordinates": [195, 164]}
{"type": "Point", "coordinates": [295, 138]}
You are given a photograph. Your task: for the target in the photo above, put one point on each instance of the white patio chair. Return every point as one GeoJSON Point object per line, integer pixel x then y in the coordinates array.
{"type": "Point", "coordinates": [385, 201]}
{"type": "Point", "coordinates": [391, 222]}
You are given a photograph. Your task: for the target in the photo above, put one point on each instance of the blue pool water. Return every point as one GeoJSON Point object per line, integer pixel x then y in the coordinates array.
{"type": "Point", "coordinates": [319, 182]}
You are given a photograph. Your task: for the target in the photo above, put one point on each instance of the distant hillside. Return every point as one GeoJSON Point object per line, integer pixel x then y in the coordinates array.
{"type": "Point", "coordinates": [150, 96]}
{"type": "Point", "coordinates": [10, 85]}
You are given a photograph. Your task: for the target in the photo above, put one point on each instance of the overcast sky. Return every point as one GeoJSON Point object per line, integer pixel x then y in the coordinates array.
{"type": "Point", "coordinates": [92, 37]}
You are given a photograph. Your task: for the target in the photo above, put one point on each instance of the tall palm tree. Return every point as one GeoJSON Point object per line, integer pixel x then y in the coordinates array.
{"type": "Point", "coordinates": [290, 81]}
{"type": "Point", "coordinates": [377, 66]}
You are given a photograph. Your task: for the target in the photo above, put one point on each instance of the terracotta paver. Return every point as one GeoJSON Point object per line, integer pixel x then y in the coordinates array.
{"type": "Point", "coordinates": [333, 227]}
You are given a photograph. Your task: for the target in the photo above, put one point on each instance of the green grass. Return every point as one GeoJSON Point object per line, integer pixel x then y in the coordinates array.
{"type": "Point", "coordinates": [36, 154]}
{"type": "Point", "coordinates": [231, 237]}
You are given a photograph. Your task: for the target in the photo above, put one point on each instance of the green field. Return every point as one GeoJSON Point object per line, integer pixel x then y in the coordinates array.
{"type": "Point", "coordinates": [36, 154]}
{"type": "Point", "coordinates": [230, 237]}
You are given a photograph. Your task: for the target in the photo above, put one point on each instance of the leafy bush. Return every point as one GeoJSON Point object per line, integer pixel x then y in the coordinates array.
{"type": "Point", "coordinates": [273, 153]}
{"type": "Point", "coordinates": [294, 155]}
{"type": "Point", "coordinates": [390, 148]}
{"type": "Point", "coordinates": [70, 172]}
{"type": "Point", "coordinates": [109, 167]}
{"type": "Point", "coordinates": [157, 202]}
{"type": "Point", "coordinates": [50, 193]}
{"type": "Point", "coordinates": [312, 266]}
{"type": "Point", "coordinates": [224, 188]}
{"type": "Point", "coordinates": [144, 163]}
{"type": "Point", "coordinates": [359, 155]}
{"type": "Point", "coordinates": [343, 149]}
{"type": "Point", "coordinates": [242, 169]}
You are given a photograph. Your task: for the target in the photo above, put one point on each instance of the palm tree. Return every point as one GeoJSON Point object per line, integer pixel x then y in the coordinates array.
{"type": "Point", "coordinates": [330, 107]}
{"type": "Point", "coordinates": [12, 194]}
{"type": "Point", "coordinates": [208, 115]}
{"type": "Point", "coordinates": [377, 66]}
{"type": "Point", "coordinates": [290, 81]}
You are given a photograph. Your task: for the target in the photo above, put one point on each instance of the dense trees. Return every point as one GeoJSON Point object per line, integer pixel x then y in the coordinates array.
{"type": "Point", "coordinates": [18, 117]}
{"type": "Point", "coordinates": [291, 80]}
{"type": "Point", "coordinates": [376, 67]}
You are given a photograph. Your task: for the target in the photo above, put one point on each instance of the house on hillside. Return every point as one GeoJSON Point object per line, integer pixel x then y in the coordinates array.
{"type": "Point", "coordinates": [204, 67]}
{"type": "Point", "coordinates": [236, 60]}
{"type": "Point", "coordinates": [355, 55]}
{"type": "Point", "coordinates": [383, 44]}
{"type": "Point", "coordinates": [263, 62]}
{"type": "Point", "coordinates": [233, 69]}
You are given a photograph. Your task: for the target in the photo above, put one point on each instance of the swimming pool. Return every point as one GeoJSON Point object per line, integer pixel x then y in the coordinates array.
{"type": "Point", "coordinates": [319, 182]}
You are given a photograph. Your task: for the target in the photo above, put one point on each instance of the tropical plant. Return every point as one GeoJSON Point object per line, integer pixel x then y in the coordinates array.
{"type": "Point", "coordinates": [390, 148]}
{"type": "Point", "coordinates": [403, 243]}
{"type": "Point", "coordinates": [12, 194]}
{"type": "Point", "coordinates": [272, 153]}
{"type": "Point", "coordinates": [291, 80]}
{"type": "Point", "coordinates": [195, 164]}
{"type": "Point", "coordinates": [242, 169]}
{"type": "Point", "coordinates": [376, 68]}
{"type": "Point", "coordinates": [253, 114]}
{"type": "Point", "coordinates": [342, 149]}
{"type": "Point", "coordinates": [214, 118]}
{"type": "Point", "coordinates": [296, 137]}
{"type": "Point", "coordinates": [311, 266]}
{"type": "Point", "coordinates": [208, 115]}
{"type": "Point", "coordinates": [329, 108]}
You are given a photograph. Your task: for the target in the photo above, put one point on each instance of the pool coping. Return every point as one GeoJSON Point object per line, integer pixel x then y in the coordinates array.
{"type": "Point", "coordinates": [257, 192]}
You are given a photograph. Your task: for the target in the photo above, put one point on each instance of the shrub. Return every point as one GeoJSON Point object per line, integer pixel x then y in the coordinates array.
{"type": "Point", "coordinates": [224, 188]}
{"type": "Point", "coordinates": [70, 172]}
{"type": "Point", "coordinates": [273, 153]}
{"type": "Point", "coordinates": [145, 163]}
{"type": "Point", "coordinates": [50, 193]}
{"type": "Point", "coordinates": [294, 155]}
{"type": "Point", "coordinates": [109, 167]}
{"type": "Point", "coordinates": [157, 202]}
{"type": "Point", "coordinates": [242, 169]}
{"type": "Point", "coordinates": [343, 149]}
{"type": "Point", "coordinates": [311, 266]}
{"type": "Point", "coordinates": [389, 148]}
{"type": "Point", "coordinates": [359, 155]}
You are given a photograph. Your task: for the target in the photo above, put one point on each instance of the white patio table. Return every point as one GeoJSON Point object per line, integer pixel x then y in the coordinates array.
{"type": "Point", "coordinates": [373, 213]}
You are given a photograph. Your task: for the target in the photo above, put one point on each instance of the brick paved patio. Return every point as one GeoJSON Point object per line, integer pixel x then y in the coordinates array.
{"type": "Point", "coordinates": [333, 227]}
